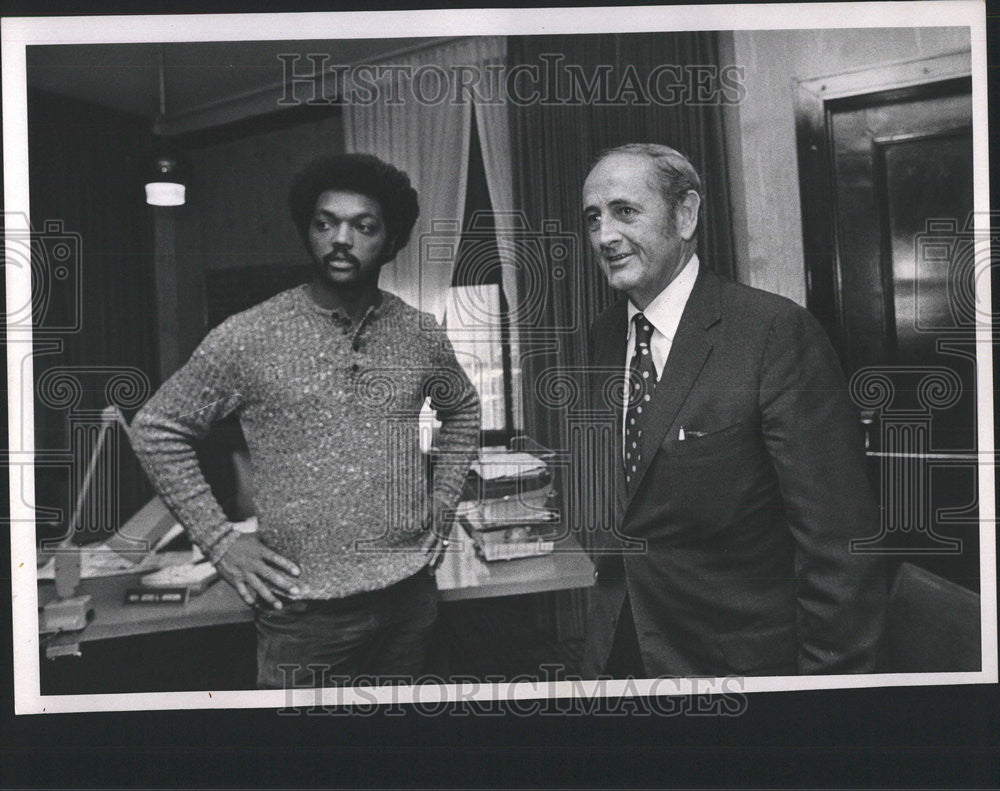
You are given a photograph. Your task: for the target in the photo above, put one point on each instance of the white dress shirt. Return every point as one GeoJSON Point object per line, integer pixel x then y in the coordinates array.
{"type": "Point", "coordinates": [664, 314]}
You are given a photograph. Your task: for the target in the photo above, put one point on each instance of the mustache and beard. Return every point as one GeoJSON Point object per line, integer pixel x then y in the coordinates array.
{"type": "Point", "coordinates": [338, 255]}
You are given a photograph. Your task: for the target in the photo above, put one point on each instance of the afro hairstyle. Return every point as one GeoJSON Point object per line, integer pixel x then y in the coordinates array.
{"type": "Point", "coordinates": [363, 174]}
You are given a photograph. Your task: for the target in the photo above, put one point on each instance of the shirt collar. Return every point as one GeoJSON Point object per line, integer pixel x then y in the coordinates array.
{"type": "Point", "coordinates": [337, 313]}
{"type": "Point", "coordinates": [664, 312]}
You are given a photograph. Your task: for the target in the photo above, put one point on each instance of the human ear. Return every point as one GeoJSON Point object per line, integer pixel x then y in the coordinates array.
{"type": "Point", "coordinates": [686, 215]}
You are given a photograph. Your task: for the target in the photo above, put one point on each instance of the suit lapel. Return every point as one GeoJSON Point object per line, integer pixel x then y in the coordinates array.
{"type": "Point", "coordinates": [609, 360]}
{"type": "Point", "coordinates": [688, 354]}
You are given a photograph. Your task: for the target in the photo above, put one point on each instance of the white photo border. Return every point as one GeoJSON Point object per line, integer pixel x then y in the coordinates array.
{"type": "Point", "coordinates": [18, 33]}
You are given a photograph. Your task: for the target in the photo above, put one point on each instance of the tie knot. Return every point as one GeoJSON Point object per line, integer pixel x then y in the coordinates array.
{"type": "Point", "coordinates": [643, 329]}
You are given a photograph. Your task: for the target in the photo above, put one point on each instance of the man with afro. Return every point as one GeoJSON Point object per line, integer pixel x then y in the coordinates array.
{"type": "Point", "coordinates": [327, 380]}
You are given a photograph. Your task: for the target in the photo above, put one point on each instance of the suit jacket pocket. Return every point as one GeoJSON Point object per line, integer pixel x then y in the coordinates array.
{"type": "Point", "coordinates": [772, 651]}
{"type": "Point", "coordinates": [729, 440]}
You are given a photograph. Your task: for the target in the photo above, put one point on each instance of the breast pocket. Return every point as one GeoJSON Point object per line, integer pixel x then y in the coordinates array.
{"type": "Point", "coordinates": [705, 483]}
{"type": "Point", "coordinates": [732, 441]}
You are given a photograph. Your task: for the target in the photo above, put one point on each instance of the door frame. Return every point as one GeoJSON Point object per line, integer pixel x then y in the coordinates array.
{"type": "Point", "coordinates": [815, 99]}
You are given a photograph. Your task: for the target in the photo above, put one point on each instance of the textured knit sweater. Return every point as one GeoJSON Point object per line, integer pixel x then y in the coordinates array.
{"type": "Point", "coordinates": [330, 414]}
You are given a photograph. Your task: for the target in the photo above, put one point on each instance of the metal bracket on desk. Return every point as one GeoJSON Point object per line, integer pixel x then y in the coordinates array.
{"type": "Point", "coordinates": [65, 620]}
{"type": "Point", "coordinates": [63, 645]}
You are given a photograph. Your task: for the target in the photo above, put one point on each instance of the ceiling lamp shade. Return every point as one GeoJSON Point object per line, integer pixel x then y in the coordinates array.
{"type": "Point", "coordinates": [165, 180]}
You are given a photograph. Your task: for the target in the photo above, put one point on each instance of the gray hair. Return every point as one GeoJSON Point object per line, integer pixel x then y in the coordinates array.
{"type": "Point", "coordinates": [675, 174]}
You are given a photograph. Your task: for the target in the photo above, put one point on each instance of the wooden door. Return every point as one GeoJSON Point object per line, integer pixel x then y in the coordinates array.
{"type": "Point", "coordinates": [886, 178]}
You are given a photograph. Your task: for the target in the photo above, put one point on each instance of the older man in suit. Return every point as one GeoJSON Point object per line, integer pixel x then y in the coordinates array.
{"type": "Point", "coordinates": [741, 477]}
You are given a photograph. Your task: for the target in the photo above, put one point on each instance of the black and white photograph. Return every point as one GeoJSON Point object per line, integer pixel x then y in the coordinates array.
{"type": "Point", "coordinates": [444, 358]}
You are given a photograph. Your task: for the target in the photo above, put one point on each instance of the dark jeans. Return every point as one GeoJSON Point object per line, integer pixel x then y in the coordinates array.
{"type": "Point", "coordinates": [332, 642]}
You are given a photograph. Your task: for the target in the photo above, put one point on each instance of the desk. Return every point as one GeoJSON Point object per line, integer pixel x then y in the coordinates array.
{"type": "Point", "coordinates": [461, 575]}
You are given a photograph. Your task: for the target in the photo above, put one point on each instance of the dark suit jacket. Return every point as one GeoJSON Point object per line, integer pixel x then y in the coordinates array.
{"type": "Point", "coordinates": [746, 567]}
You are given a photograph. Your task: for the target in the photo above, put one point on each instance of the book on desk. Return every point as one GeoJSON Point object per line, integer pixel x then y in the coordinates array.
{"type": "Point", "coordinates": [507, 506]}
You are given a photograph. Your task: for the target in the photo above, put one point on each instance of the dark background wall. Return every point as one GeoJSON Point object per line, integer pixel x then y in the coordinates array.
{"type": "Point", "coordinates": [234, 243]}
{"type": "Point", "coordinates": [86, 174]}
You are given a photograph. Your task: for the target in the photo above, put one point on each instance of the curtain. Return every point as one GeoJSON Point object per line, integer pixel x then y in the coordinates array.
{"type": "Point", "coordinates": [553, 146]}
{"type": "Point", "coordinates": [493, 125]}
{"type": "Point", "coordinates": [430, 141]}
{"type": "Point", "coordinates": [95, 338]}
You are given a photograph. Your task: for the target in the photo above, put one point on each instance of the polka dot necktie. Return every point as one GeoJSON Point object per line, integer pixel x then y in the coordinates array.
{"type": "Point", "coordinates": [642, 382]}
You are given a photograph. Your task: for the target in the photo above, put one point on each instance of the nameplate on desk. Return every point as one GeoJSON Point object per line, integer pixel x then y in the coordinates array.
{"type": "Point", "coordinates": [157, 595]}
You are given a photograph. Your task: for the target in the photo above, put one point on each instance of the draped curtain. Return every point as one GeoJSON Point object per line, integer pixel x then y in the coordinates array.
{"type": "Point", "coordinates": [430, 141]}
{"type": "Point", "coordinates": [85, 165]}
{"type": "Point", "coordinates": [493, 125]}
{"type": "Point", "coordinates": [553, 146]}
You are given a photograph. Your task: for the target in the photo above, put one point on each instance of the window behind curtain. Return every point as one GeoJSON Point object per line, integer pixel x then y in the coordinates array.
{"type": "Point", "coordinates": [477, 318]}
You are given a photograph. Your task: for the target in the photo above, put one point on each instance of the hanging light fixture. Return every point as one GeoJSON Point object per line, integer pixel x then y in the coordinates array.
{"type": "Point", "coordinates": [164, 182]}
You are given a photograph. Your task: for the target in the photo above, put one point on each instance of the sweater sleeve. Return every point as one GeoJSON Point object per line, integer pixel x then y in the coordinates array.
{"type": "Point", "coordinates": [206, 389]}
{"type": "Point", "coordinates": [456, 403]}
